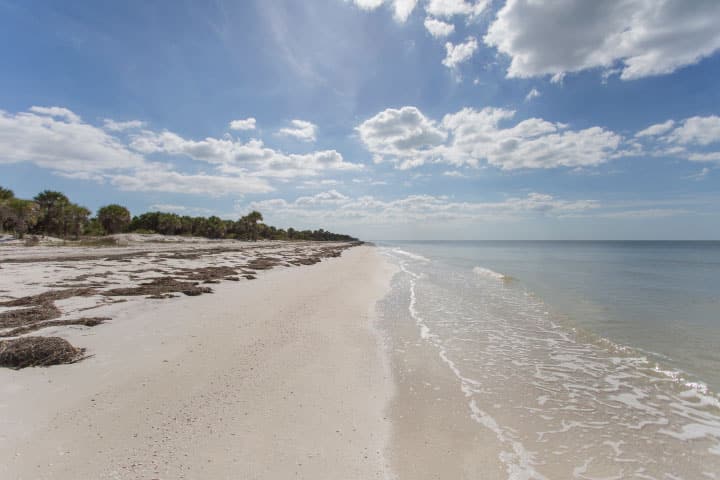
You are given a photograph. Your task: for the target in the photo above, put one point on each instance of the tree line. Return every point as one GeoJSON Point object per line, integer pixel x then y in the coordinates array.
{"type": "Point", "coordinates": [52, 213]}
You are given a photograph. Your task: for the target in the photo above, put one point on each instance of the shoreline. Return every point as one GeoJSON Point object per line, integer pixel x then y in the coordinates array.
{"type": "Point", "coordinates": [433, 434]}
{"type": "Point", "coordinates": [284, 376]}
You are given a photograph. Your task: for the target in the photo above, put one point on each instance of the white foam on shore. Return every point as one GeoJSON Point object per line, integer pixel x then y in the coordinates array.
{"type": "Point", "coordinates": [486, 272]}
{"type": "Point", "coordinates": [518, 461]}
{"type": "Point", "coordinates": [407, 254]}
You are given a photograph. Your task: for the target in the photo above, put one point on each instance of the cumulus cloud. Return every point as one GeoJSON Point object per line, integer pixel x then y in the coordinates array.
{"type": "Point", "coordinates": [642, 37]}
{"type": "Point", "coordinates": [450, 8]}
{"type": "Point", "coordinates": [401, 8]}
{"type": "Point", "coordinates": [457, 54]}
{"type": "Point", "coordinates": [697, 130]}
{"type": "Point", "coordinates": [159, 178]}
{"type": "Point", "coordinates": [58, 112]}
{"type": "Point", "coordinates": [114, 126]}
{"type": "Point", "coordinates": [301, 130]}
{"type": "Point", "coordinates": [245, 124]}
{"type": "Point", "coordinates": [400, 133]}
{"type": "Point", "coordinates": [438, 28]}
{"type": "Point", "coordinates": [236, 157]}
{"type": "Point", "coordinates": [331, 197]}
{"type": "Point", "coordinates": [368, 4]}
{"type": "Point", "coordinates": [468, 137]}
{"type": "Point", "coordinates": [57, 139]}
{"type": "Point", "coordinates": [691, 138]}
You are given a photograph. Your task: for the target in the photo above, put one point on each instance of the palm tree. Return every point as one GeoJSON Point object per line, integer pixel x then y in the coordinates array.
{"type": "Point", "coordinates": [114, 218]}
{"type": "Point", "coordinates": [250, 221]}
{"type": "Point", "coordinates": [20, 215]}
{"type": "Point", "coordinates": [52, 206]}
{"type": "Point", "coordinates": [215, 227]}
{"type": "Point", "coordinates": [76, 219]}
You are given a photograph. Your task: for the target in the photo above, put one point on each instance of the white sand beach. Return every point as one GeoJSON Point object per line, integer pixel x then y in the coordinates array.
{"type": "Point", "coordinates": [281, 377]}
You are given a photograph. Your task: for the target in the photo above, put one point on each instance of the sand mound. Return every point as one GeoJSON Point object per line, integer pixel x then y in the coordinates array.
{"type": "Point", "coordinates": [37, 352]}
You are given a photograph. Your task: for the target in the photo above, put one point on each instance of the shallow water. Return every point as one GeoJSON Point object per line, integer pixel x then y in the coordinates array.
{"type": "Point", "coordinates": [570, 353]}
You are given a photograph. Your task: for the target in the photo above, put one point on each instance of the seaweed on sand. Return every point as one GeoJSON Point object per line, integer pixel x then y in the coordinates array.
{"type": "Point", "coordinates": [85, 321]}
{"type": "Point", "coordinates": [160, 286]}
{"type": "Point", "coordinates": [49, 297]}
{"type": "Point", "coordinates": [262, 263]}
{"type": "Point", "coordinates": [24, 316]}
{"type": "Point", "coordinates": [38, 351]}
{"type": "Point", "coordinates": [207, 274]}
{"type": "Point", "coordinates": [305, 261]}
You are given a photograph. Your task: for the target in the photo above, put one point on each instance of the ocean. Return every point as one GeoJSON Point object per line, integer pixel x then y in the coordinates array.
{"type": "Point", "coordinates": [585, 359]}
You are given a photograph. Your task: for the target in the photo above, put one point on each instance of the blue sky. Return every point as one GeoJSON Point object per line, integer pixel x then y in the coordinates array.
{"type": "Point", "coordinates": [425, 119]}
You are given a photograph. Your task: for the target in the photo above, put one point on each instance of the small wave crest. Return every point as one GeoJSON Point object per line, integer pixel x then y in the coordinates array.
{"type": "Point", "coordinates": [486, 272]}
{"type": "Point", "coordinates": [414, 256]}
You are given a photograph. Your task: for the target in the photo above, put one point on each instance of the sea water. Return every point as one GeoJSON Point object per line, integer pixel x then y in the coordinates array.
{"type": "Point", "coordinates": [585, 359]}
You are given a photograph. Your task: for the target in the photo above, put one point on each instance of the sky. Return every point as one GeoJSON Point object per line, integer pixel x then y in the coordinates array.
{"type": "Point", "coordinates": [385, 119]}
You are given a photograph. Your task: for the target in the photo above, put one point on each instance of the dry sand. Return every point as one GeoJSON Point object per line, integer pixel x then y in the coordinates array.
{"type": "Point", "coordinates": [283, 377]}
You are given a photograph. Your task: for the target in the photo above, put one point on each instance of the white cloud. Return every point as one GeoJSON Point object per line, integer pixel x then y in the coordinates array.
{"type": "Point", "coordinates": [697, 130]}
{"type": "Point", "coordinates": [457, 54]}
{"type": "Point", "coordinates": [317, 184]}
{"type": "Point", "coordinates": [398, 132]}
{"type": "Point", "coordinates": [657, 129]}
{"type": "Point", "coordinates": [704, 157]}
{"type": "Point", "coordinates": [301, 130]}
{"type": "Point", "coordinates": [331, 197]}
{"type": "Point", "coordinates": [468, 137]}
{"type": "Point", "coordinates": [368, 4]}
{"type": "Point", "coordinates": [450, 8]}
{"type": "Point", "coordinates": [245, 124]}
{"type": "Point", "coordinates": [57, 139]}
{"type": "Point", "coordinates": [646, 37]}
{"type": "Point", "coordinates": [235, 157]}
{"type": "Point", "coordinates": [58, 112]}
{"type": "Point", "coordinates": [401, 8]}
{"type": "Point", "coordinates": [158, 178]}
{"type": "Point", "coordinates": [438, 28]}
{"type": "Point", "coordinates": [689, 139]}
{"type": "Point", "coordinates": [534, 93]}
{"type": "Point", "coordinates": [180, 209]}
{"type": "Point", "coordinates": [114, 126]}
{"type": "Point", "coordinates": [335, 206]}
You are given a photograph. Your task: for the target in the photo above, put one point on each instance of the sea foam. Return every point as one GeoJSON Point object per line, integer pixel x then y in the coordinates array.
{"type": "Point", "coordinates": [414, 256]}
{"type": "Point", "coordinates": [486, 272]}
